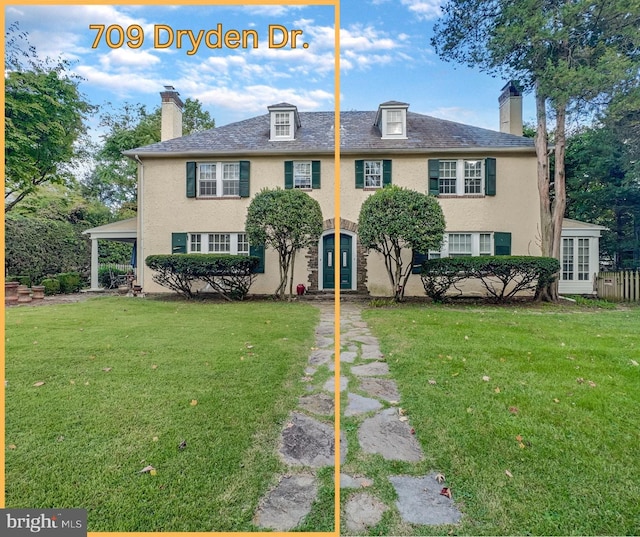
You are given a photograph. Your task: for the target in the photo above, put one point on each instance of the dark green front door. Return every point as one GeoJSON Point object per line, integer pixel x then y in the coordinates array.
{"type": "Point", "coordinates": [342, 259]}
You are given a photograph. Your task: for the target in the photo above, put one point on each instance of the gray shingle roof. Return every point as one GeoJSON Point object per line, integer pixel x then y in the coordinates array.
{"type": "Point", "coordinates": [358, 134]}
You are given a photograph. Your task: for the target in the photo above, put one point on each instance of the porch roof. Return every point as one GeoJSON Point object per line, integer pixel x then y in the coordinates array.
{"type": "Point", "coordinates": [121, 231]}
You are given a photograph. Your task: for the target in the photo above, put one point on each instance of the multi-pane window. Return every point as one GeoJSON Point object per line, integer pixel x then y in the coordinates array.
{"type": "Point", "coordinates": [461, 177]}
{"type": "Point", "coordinates": [302, 174]}
{"type": "Point", "coordinates": [464, 245]}
{"type": "Point", "coordinates": [207, 179]}
{"type": "Point", "coordinates": [373, 174]}
{"type": "Point", "coordinates": [219, 243]}
{"type": "Point", "coordinates": [472, 176]}
{"type": "Point", "coordinates": [243, 244]}
{"type": "Point", "coordinates": [231, 179]}
{"type": "Point", "coordinates": [282, 124]}
{"type": "Point", "coordinates": [218, 179]}
{"type": "Point", "coordinates": [460, 245]}
{"type": "Point", "coordinates": [394, 122]}
{"type": "Point", "coordinates": [583, 259]}
{"type": "Point", "coordinates": [485, 244]}
{"type": "Point", "coordinates": [567, 259]}
{"type": "Point", "coordinates": [448, 176]}
{"type": "Point", "coordinates": [195, 244]}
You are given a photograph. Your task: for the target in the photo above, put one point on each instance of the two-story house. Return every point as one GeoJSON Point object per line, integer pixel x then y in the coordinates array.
{"type": "Point", "coordinates": [193, 191]}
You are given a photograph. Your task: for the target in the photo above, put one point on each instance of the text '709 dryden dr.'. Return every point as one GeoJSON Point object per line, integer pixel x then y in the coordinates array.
{"type": "Point", "coordinates": [164, 36]}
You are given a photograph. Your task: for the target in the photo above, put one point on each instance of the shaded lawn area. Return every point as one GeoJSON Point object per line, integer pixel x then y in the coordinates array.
{"type": "Point", "coordinates": [560, 411]}
{"type": "Point", "coordinates": [125, 382]}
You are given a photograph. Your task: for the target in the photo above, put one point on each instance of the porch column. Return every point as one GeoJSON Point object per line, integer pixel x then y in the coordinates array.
{"type": "Point", "coordinates": [95, 284]}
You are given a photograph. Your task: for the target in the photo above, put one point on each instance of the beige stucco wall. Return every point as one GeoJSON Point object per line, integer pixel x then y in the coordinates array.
{"type": "Point", "coordinates": [514, 208]}
{"type": "Point", "coordinates": [166, 209]}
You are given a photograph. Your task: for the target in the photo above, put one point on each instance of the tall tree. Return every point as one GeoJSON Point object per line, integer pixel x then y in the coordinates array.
{"type": "Point", "coordinates": [114, 178]}
{"type": "Point", "coordinates": [573, 54]}
{"type": "Point", "coordinates": [287, 221]}
{"type": "Point", "coordinates": [603, 188]}
{"type": "Point", "coordinates": [397, 219]}
{"type": "Point", "coordinates": [44, 118]}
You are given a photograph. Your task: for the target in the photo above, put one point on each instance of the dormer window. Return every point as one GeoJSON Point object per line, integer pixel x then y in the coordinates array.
{"type": "Point", "coordinates": [392, 120]}
{"type": "Point", "coordinates": [284, 121]}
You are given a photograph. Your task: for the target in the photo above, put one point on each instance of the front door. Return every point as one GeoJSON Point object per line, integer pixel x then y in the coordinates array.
{"type": "Point", "coordinates": [342, 259]}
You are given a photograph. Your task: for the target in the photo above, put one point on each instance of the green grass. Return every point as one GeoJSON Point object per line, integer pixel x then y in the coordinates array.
{"type": "Point", "coordinates": [80, 439]}
{"type": "Point", "coordinates": [576, 470]}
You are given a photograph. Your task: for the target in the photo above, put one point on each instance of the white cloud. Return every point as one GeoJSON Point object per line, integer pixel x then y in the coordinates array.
{"type": "Point", "coordinates": [424, 9]}
{"type": "Point", "coordinates": [255, 99]}
{"type": "Point", "coordinates": [122, 58]}
{"type": "Point", "coordinates": [122, 84]}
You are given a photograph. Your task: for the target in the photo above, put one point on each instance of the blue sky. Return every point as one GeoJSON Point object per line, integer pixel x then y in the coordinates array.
{"type": "Point", "coordinates": [385, 55]}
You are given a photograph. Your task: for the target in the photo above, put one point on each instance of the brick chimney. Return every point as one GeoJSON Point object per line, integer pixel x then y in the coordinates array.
{"type": "Point", "coordinates": [511, 109]}
{"type": "Point", "coordinates": [171, 114]}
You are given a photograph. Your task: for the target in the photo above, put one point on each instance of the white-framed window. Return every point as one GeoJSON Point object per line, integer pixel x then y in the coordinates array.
{"type": "Point", "coordinates": [394, 123]}
{"type": "Point", "coordinates": [575, 259]}
{"type": "Point", "coordinates": [473, 177]}
{"type": "Point", "coordinates": [282, 125]}
{"type": "Point", "coordinates": [567, 259]}
{"type": "Point", "coordinates": [218, 243]}
{"type": "Point", "coordinates": [461, 177]}
{"type": "Point", "coordinates": [373, 174]}
{"type": "Point", "coordinates": [460, 245]}
{"type": "Point", "coordinates": [485, 244]}
{"type": "Point", "coordinates": [302, 174]}
{"type": "Point", "coordinates": [464, 245]}
{"type": "Point", "coordinates": [218, 179]}
{"type": "Point", "coordinates": [583, 260]}
{"type": "Point", "coordinates": [448, 176]}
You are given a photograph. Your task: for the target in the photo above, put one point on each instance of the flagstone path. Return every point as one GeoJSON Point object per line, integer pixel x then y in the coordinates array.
{"type": "Point", "coordinates": [307, 441]}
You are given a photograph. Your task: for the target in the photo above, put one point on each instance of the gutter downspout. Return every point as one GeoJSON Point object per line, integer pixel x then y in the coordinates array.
{"type": "Point", "coordinates": [140, 239]}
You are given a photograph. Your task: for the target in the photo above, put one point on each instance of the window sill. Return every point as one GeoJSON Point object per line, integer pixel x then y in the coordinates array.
{"type": "Point", "coordinates": [207, 198]}
{"type": "Point", "coordinates": [461, 196]}
{"type": "Point", "coordinates": [371, 188]}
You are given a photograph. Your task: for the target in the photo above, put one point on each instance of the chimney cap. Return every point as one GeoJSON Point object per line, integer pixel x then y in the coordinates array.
{"type": "Point", "coordinates": [510, 89]}
{"type": "Point", "coordinates": [170, 95]}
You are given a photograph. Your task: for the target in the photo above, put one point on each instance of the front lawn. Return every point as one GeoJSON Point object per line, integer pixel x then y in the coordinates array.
{"type": "Point", "coordinates": [533, 414]}
{"type": "Point", "coordinates": [125, 382]}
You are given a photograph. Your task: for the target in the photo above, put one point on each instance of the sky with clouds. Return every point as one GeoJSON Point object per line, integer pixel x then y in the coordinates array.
{"type": "Point", "coordinates": [385, 55]}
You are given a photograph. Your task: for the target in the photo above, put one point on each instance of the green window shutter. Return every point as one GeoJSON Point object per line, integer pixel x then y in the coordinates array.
{"type": "Point", "coordinates": [502, 243]}
{"type": "Point", "coordinates": [434, 176]}
{"type": "Point", "coordinates": [359, 173]}
{"type": "Point", "coordinates": [245, 167]}
{"type": "Point", "coordinates": [258, 251]}
{"type": "Point", "coordinates": [416, 262]}
{"type": "Point", "coordinates": [490, 176]}
{"type": "Point", "coordinates": [386, 172]}
{"type": "Point", "coordinates": [191, 179]}
{"type": "Point", "coordinates": [178, 243]}
{"type": "Point", "coordinates": [315, 174]}
{"type": "Point", "coordinates": [288, 174]}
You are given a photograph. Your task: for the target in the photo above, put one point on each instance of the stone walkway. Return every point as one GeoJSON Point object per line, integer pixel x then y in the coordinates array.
{"type": "Point", "coordinates": [385, 431]}
{"type": "Point", "coordinates": [307, 440]}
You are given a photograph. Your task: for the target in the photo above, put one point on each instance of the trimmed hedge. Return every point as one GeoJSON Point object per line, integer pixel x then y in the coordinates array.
{"type": "Point", "coordinates": [51, 286]}
{"type": "Point", "coordinates": [496, 273]}
{"type": "Point", "coordinates": [70, 282]}
{"type": "Point", "coordinates": [230, 276]}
